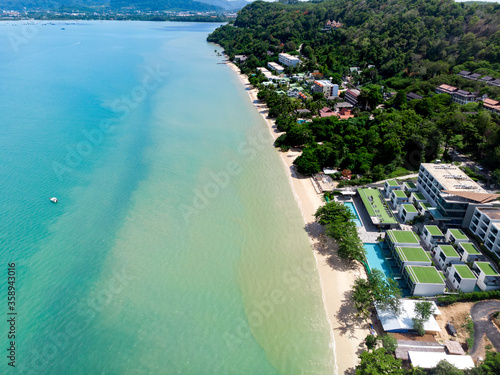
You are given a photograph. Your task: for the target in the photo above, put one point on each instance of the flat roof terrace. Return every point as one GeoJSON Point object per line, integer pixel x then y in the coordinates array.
{"type": "Point", "coordinates": [458, 234]}
{"type": "Point", "coordinates": [464, 271]}
{"type": "Point", "coordinates": [434, 230]}
{"type": "Point", "coordinates": [449, 251]}
{"type": "Point", "coordinates": [487, 269]}
{"type": "Point", "coordinates": [470, 248]}
{"type": "Point", "coordinates": [452, 178]}
{"type": "Point", "coordinates": [412, 254]}
{"type": "Point", "coordinates": [403, 236]}
{"type": "Point", "coordinates": [399, 193]}
{"type": "Point", "coordinates": [424, 275]}
{"type": "Point", "coordinates": [377, 207]}
{"type": "Point", "coordinates": [409, 207]}
{"type": "Point", "coordinates": [392, 183]}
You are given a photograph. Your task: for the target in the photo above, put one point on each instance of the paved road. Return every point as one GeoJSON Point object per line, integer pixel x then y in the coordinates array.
{"type": "Point", "coordinates": [481, 313]}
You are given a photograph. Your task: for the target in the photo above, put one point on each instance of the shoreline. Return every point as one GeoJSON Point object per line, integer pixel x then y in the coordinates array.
{"type": "Point", "coordinates": [336, 283]}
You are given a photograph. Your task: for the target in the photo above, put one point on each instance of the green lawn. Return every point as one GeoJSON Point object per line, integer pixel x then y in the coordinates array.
{"type": "Point", "coordinates": [470, 248]}
{"type": "Point", "coordinates": [434, 230]}
{"type": "Point", "coordinates": [424, 275]}
{"type": "Point", "coordinates": [412, 254]}
{"type": "Point", "coordinates": [464, 271]}
{"type": "Point", "coordinates": [449, 251]}
{"type": "Point", "coordinates": [377, 206]}
{"type": "Point", "coordinates": [392, 183]}
{"type": "Point", "coordinates": [487, 269]}
{"type": "Point", "coordinates": [402, 236]}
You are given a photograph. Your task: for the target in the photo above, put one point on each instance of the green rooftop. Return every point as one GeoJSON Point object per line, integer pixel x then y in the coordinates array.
{"type": "Point", "coordinates": [487, 269]}
{"type": "Point", "coordinates": [412, 254]}
{"type": "Point", "coordinates": [419, 196]}
{"type": "Point", "coordinates": [402, 236]}
{"type": "Point", "coordinates": [449, 251]}
{"type": "Point", "coordinates": [377, 207]}
{"type": "Point", "coordinates": [470, 248]}
{"type": "Point", "coordinates": [409, 207]}
{"type": "Point", "coordinates": [424, 275]}
{"type": "Point", "coordinates": [392, 183]}
{"type": "Point", "coordinates": [399, 193]}
{"type": "Point", "coordinates": [464, 272]}
{"type": "Point", "coordinates": [458, 234]}
{"type": "Point", "coordinates": [410, 185]}
{"type": "Point", "coordinates": [434, 230]}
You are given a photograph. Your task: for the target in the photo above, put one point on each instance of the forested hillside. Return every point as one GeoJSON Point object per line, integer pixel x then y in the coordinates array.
{"type": "Point", "coordinates": [417, 36]}
{"type": "Point", "coordinates": [400, 46]}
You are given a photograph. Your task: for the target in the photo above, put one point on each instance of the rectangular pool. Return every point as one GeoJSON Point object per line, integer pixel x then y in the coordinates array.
{"type": "Point", "coordinates": [352, 208]}
{"type": "Point", "coordinates": [377, 260]}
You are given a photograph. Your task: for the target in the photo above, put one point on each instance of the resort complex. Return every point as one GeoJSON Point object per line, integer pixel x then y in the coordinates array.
{"type": "Point", "coordinates": [426, 231]}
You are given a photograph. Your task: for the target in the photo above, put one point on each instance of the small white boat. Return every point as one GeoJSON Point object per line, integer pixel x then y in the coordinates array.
{"type": "Point", "coordinates": [54, 199]}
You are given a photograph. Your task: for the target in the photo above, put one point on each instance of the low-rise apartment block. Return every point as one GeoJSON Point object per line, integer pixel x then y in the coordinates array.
{"type": "Point", "coordinates": [288, 60]}
{"type": "Point", "coordinates": [329, 90]}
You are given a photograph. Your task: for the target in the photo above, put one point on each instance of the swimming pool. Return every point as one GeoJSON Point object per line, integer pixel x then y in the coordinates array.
{"type": "Point", "coordinates": [377, 260]}
{"type": "Point", "coordinates": [352, 208]}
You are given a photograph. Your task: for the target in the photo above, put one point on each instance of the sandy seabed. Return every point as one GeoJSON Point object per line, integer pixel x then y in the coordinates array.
{"type": "Point", "coordinates": [336, 279]}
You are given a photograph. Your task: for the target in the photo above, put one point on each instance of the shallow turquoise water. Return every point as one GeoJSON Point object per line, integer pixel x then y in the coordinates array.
{"type": "Point", "coordinates": [177, 246]}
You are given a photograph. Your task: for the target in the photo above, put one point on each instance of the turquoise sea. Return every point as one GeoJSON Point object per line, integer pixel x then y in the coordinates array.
{"type": "Point", "coordinates": [176, 246]}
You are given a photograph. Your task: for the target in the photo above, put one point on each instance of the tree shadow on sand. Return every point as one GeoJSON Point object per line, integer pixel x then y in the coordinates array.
{"type": "Point", "coordinates": [346, 316]}
{"type": "Point", "coordinates": [327, 246]}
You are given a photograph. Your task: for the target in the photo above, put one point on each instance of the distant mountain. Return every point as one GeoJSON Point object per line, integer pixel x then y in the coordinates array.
{"type": "Point", "coordinates": [191, 5]}
{"type": "Point", "coordinates": [159, 5]}
{"type": "Point", "coordinates": [51, 4]}
{"type": "Point", "coordinates": [228, 4]}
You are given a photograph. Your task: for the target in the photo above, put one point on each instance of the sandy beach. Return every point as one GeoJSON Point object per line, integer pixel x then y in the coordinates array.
{"type": "Point", "coordinates": [336, 278]}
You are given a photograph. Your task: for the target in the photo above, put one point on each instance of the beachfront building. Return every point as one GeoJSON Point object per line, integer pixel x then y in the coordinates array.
{"type": "Point", "coordinates": [446, 255]}
{"type": "Point", "coordinates": [288, 60]}
{"type": "Point", "coordinates": [276, 67]}
{"type": "Point", "coordinates": [461, 277]}
{"type": "Point", "coordinates": [401, 238]}
{"type": "Point", "coordinates": [409, 187]}
{"type": "Point", "coordinates": [424, 281]}
{"type": "Point", "coordinates": [389, 186]}
{"type": "Point", "coordinates": [380, 214]}
{"type": "Point", "coordinates": [453, 194]}
{"type": "Point", "coordinates": [411, 256]}
{"type": "Point", "coordinates": [267, 73]}
{"type": "Point", "coordinates": [454, 236]}
{"type": "Point", "coordinates": [469, 252]}
{"type": "Point", "coordinates": [485, 224]}
{"type": "Point", "coordinates": [402, 321]}
{"type": "Point", "coordinates": [416, 198]}
{"type": "Point", "coordinates": [432, 236]}
{"type": "Point", "coordinates": [329, 90]}
{"type": "Point", "coordinates": [407, 212]}
{"type": "Point", "coordinates": [488, 278]}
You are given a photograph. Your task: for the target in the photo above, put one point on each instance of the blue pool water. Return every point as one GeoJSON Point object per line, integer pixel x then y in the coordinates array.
{"type": "Point", "coordinates": [351, 207]}
{"type": "Point", "coordinates": [377, 260]}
